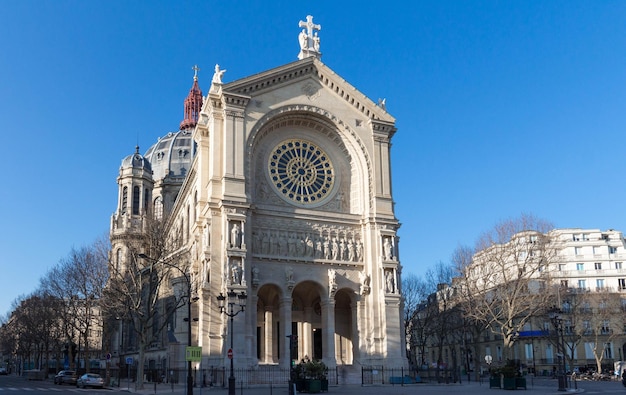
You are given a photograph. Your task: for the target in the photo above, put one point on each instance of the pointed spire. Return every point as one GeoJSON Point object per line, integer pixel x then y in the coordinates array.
{"type": "Point", "coordinates": [193, 103]}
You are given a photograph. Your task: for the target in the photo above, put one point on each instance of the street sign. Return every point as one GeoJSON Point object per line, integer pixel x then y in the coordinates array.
{"type": "Point", "coordinates": [129, 360]}
{"type": "Point", "coordinates": [193, 354]}
{"type": "Point", "coordinates": [230, 353]}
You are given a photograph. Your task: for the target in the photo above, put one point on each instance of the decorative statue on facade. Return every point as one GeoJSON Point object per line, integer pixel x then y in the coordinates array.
{"type": "Point", "coordinates": [217, 76]}
{"type": "Point", "coordinates": [387, 249]}
{"type": "Point", "coordinates": [365, 283]}
{"type": "Point", "coordinates": [390, 286]}
{"type": "Point", "coordinates": [234, 236]}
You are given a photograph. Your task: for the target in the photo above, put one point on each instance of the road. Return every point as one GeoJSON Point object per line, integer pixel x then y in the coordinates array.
{"type": "Point", "coordinates": [16, 385]}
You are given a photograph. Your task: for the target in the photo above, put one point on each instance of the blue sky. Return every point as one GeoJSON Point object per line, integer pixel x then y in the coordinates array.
{"type": "Point", "coordinates": [502, 108]}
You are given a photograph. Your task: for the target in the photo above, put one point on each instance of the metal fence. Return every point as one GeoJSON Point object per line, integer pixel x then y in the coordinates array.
{"type": "Point", "coordinates": [400, 376]}
{"type": "Point", "coordinates": [274, 375]}
{"type": "Point", "coordinates": [211, 377]}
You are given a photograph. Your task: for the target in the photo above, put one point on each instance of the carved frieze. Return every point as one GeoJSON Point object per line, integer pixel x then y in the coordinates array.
{"type": "Point", "coordinates": [318, 242]}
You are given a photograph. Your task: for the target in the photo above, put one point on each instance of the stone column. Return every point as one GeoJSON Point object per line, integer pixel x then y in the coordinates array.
{"type": "Point", "coordinates": [268, 350]}
{"type": "Point", "coordinates": [285, 324]}
{"type": "Point", "coordinates": [328, 334]}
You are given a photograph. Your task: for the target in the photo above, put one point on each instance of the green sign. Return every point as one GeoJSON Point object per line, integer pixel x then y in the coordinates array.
{"type": "Point", "coordinates": [193, 354]}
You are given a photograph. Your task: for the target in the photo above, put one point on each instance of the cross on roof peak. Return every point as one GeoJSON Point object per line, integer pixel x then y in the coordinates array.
{"type": "Point", "coordinates": [308, 38]}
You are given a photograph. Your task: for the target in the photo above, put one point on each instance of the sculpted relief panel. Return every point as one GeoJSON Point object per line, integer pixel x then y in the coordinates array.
{"type": "Point", "coordinates": [318, 243]}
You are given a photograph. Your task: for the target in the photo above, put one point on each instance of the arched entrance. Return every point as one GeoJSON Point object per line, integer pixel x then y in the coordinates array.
{"type": "Point", "coordinates": [308, 322]}
{"type": "Point", "coordinates": [325, 327]}
{"type": "Point", "coordinates": [345, 319]}
{"type": "Point", "coordinates": [268, 329]}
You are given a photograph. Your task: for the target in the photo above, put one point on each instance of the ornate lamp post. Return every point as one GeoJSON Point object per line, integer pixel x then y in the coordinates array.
{"type": "Point", "coordinates": [190, 300]}
{"type": "Point", "coordinates": [557, 321]}
{"type": "Point", "coordinates": [233, 299]}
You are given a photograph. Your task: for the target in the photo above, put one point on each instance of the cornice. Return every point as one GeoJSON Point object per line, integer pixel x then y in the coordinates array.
{"type": "Point", "coordinates": [308, 68]}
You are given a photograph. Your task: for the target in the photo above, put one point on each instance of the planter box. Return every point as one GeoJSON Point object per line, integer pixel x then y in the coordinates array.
{"type": "Point", "coordinates": [520, 382]}
{"type": "Point", "coordinates": [509, 383]}
{"type": "Point", "coordinates": [494, 382]}
{"type": "Point", "coordinates": [314, 386]}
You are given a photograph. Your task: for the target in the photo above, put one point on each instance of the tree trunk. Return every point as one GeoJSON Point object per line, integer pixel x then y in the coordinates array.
{"type": "Point", "coordinates": [142, 353]}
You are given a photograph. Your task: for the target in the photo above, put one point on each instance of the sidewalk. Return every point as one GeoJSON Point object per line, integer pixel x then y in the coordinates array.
{"type": "Point", "coordinates": [537, 386]}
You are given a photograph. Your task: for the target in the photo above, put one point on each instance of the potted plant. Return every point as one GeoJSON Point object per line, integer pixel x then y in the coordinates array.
{"type": "Point", "coordinates": [508, 376]}
{"type": "Point", "coordinates": [311, 374]}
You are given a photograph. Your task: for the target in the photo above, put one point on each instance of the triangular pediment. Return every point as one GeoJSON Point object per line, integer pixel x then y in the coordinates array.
{"type": "Point", "coordinates": [308, 68]}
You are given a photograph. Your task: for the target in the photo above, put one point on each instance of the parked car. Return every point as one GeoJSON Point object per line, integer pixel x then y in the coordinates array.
{"type": "Point", "coordinates": [90, 380]}
{"type": "Point", "coordinates": [65, 377]}
{"type": "Point", "coordinates": [3, 371]}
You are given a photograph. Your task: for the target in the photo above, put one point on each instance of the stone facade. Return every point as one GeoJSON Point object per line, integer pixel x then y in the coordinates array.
{"type": "Point", "coordinates": [286, 196]}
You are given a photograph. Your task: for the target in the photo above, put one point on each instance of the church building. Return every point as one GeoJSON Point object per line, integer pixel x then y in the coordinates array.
{"type": "Point", "coordinates": [279, 187]}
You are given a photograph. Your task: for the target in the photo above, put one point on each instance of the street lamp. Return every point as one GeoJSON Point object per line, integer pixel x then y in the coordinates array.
{"type": "Point", "coordinates": [233, 299]}
{"type": "Point", "coordinates": [190, 299]}
{"type": "Point", "coordinates": [557, 321]}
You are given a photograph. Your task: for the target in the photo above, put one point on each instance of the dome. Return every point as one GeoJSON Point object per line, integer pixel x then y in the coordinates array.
{"type": "Point", "coordinates": [136, 161]}
{"type": "Point", "coordinates": [171, 156]}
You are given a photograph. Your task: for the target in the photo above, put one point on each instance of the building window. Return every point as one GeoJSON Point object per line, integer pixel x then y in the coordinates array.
{"type": "Point", "coordinates": [158, 208]}
{"type": "Point", "coordinates": [124, 199]}
{"type": "Point", "coordinates": [567, 307]}
{"type": "Point", "coordinates": [621, 283]}
{"type": "Point", "coordinates": [118, 260]}
{"type": "Point", "coordinates": [567, 328]}
{"type": "Point", "coordinates": [618, 265]}
{"type": "Point", "coordinates": [146, 201]}
{"type": "Point", "coordinates": [528, 348]}
{"type": "Point", "coordinates": [582, 284]}
{"type": "Point", "coordinates": [136, 196]}
{"type": "Point", "coordinates": [599, 284]}
{"type": "Point", "coordinates": [608, 351]}
{"type": "Point", "coordinates": [606, 327]}
{"type": "Point", "coordinates": [612, 250]}
{"type": "Point", "coordinates": [598, 265]}
{"type": "Point", "coordinates": [580, 266]}
{"type": "Point", "coordinates": [564, 284]}
{"type": "Point", "coordinates": [578, 250]}
{"type": "Point", "coordinates": [562, 267]}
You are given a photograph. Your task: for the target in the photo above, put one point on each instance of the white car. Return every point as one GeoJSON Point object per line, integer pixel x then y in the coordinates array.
{"type": "Point", "coordinates": [90, 380]}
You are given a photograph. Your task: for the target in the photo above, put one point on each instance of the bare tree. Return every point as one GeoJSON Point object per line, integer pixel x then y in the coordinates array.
{"type": "Point", "coordinates": [602, 320]}
{"type": "Point", "coordinates": [508, 276]}
{"type": "Point", "coordinates": [439, 280]}
{"type": "Point", "coordinates": [473, 326]}
{"type": "Point", "coordinates": [78, 281]}
{"type": "Point", "coordinates": [140, 291]}
{"type": "Point", "coordinates": [414, 292]}
{"type": "Point", "coordinates": [427, 311]}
